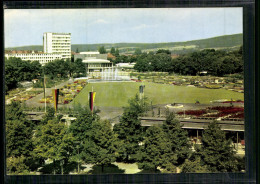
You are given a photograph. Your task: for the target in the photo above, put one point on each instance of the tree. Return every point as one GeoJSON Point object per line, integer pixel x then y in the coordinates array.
{"type": "Point", "coordinates": [49, 115]}
{"type": "Point", "coordinates": [18, 132]}
{"type": "Point", "coordinates": [18, 138]}
{"type": "Point", "coordinates": [216, 151]}
{"type": "Point", "coordinates": [101, 148]}
{"type": "Point", "coordinates": [215, 62]}
{"type": "Point", "coordinates": [130, 132]}
{"type": "Point", "coordinates": [138, 51]}
{"type": "Point", "coordinates": [16, 165]}
{"type": "Point", "coordinates": [144, 65]}
{"type": "Point", "coordinates": [58, 68]}
{"type": "Point", "coordinates": [153, 150]}
{"type": "Point", "coordinates": [129, 129]}
{"type": "Point", "coordinates": [178, 142]}
{"type": "Point", "coordinates": [194, 165]}
{"type": "Point", "coordinates": [137, 105]}
{"type": "Point", "coordinates": [151, 53]}
{"type": "Point", "coordinates": [113, 51]}
{"type": "Point", "coordinates": [163, 51]}
{"type": "Point", "coordinates": [19, 145]}
{"type": "Point", "coordinates": [17, 70]}
{"type": "Point", "coordinates": [81, 127]}
{"type": "Point", "coordinates": [79, 68]}
{"type": "Point", "coordinates": [53, 141]}
{"type": "Point", "coordinates": [161, 62]}
{"type": "Point", "coordinates": [117, 52]}
{"type": "Point", "coordinates": [81, 130]}
{"type": "Point", "coordinates": [102, 50]}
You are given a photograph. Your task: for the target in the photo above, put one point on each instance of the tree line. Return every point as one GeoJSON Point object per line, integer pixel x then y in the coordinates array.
{"type": "Point", "coordinates": [91, 140]}
{"type": "Point", "coordinates": [17, 70]}
{"type": "Point", "coordinates": [215, 62]}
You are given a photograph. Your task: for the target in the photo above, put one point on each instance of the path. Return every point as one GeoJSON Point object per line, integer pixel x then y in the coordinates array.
{"type": "Point", "coordinates": [34, 102]}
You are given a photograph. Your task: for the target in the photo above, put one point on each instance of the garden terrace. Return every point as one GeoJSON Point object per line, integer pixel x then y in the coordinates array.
{"type": "Point", "coordinates": [225, 112]}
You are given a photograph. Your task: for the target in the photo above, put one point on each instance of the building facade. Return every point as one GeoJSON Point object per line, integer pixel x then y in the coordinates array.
{"type": "Point", "coordinates": [57, 43]}
{"type": "Point", "coordinates": [43, 58]}
{"type": "Point", "coordinates": [55, 46]}
{"type": "Point", "coordinates": [95, 63]}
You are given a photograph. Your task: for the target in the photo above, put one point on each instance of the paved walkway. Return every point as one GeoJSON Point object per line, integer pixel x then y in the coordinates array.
{"type": "Point", "coordinates": [34, 102]}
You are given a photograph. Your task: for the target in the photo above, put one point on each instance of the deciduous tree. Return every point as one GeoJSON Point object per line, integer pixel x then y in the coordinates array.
{"type": "Point", "coordinates": [113, 51]}
{"type": "Point", "coordinates": [53, 141]}
{"type": "Point", "coordinates": [102, 50]}
{"type": "Point", "coordinates": [19, 134]}
{"type": "Point", "coordinates": [101, 147]}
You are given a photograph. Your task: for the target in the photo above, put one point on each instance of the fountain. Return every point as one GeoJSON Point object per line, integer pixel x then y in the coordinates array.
{"type": "Point", "coordinates": [110, 74]}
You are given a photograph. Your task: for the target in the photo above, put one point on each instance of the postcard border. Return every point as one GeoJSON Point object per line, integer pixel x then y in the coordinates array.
{"type": "Point", "coordinates": [250, 97]}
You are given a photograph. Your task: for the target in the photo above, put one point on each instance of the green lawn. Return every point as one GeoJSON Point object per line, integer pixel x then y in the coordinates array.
{"type": "Point", "coordinates": [116, 94]}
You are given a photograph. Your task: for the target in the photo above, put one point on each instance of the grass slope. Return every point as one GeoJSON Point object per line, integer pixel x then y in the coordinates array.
{"type": "Point", "coordinates": [116, 94]}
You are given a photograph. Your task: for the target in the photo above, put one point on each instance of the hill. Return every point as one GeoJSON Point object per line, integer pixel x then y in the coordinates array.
{"type": "Point", "coordinates": [226, 42]}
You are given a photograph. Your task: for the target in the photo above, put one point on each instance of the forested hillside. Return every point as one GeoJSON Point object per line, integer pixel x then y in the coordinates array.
{"type": "Point", "coordinates": [227, 42]}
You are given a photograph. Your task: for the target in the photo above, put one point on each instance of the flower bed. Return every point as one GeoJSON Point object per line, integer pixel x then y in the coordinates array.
{"type": "Point", "coordinates": [216, 112]}
{"type": "Point", "coordinates": [70, 91]}
{"type": "Point", "coordinates": [239, 115]}
{"type": "Point", "coordinates": [193, 112]}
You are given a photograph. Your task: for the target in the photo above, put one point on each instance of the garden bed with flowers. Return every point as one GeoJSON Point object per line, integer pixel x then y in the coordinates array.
{"type": "Point", "coordinates": [223, 112]}
{"type": "Point", "coordinates": [22, 95]}
{"type": "Point", "coordinates": [67, 93]}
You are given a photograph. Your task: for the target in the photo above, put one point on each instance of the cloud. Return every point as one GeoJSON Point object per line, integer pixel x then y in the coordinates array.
{"type": "Point", "coordinates": [144, 26]}
{"type": "Point", "coordinates": [99, 21]}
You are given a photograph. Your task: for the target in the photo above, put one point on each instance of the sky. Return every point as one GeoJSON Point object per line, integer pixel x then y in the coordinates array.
{"type": "Point", "coordinates": [143, 25]}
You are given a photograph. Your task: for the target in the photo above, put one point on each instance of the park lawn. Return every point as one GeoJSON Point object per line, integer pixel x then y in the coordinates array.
{"type": "Point", "coordinates": [128, 168]}
{"type": "Point", "coordinates": [116, 94]}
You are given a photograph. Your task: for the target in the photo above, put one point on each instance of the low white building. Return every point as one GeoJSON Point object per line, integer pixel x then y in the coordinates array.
{"type": "Point", "coordinates": [95, 63]}
{"type": "Point", "coordinates": [125, 65]}
{"type": "Point", "coordinates": [43, 58]}
{"type": "Point", "coordinates": [55, 46]}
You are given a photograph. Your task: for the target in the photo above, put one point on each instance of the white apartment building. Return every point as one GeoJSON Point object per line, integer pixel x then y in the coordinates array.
{"type": "Point", "coordinates": [43, 58]}
{"type": "Point", "coordinates": [57, 43]}
{"type": "Point", "coordinates": [55, 46]}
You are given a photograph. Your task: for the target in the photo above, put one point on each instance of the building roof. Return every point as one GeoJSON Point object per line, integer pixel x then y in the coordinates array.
{"type": "Point", "coordinates": [237, 126]}
{"type": "Point", "coordinates": [89, 53]}
{"type": "Point", "coordinates": [58, 33]}
{"type": "Point", "coordinates": [96, 61]}
{"type": "Point", "coordinates": [126, 65]}
{"type": "Point", "coordinates": [22, 52]}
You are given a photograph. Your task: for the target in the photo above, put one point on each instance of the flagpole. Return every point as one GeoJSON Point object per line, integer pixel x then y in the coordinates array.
{"type": "Point", "coordinates": [92, 103]}
{"type": "Point", "coordinates": [143, 90]}
{"type": "Point", "coordinates": [44, 81]}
